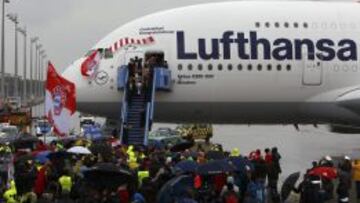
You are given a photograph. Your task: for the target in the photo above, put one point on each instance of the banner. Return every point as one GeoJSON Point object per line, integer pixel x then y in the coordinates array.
{"type": "Point", "coordinates": [60, 102]}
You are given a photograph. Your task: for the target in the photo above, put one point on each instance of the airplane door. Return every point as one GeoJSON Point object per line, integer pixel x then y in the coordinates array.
{"type": "Point", "coordinates": [132, 54]}
{"type": "Point", "coordinates": [312, 72]}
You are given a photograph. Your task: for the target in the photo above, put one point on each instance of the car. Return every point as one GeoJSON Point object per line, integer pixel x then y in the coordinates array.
{"type": "Point", "coordinates": [10, 130]}
{"type": "Point", "coordinates": [164, 132]}
{"type": "Point", "coordinates": [87, 120]}
{"type": "Point", "coordinates": [163, 141]}
{"type": "Point", "coordinates": [195, 131]}
{"type": "Point", "coordinates": [43, 127]}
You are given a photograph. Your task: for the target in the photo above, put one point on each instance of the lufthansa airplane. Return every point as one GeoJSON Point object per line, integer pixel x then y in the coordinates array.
{"type": "Point", "coordinates": [238, 62]}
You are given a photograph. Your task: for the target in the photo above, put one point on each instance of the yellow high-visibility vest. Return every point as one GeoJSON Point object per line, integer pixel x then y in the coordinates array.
{"type": "Point", "coordinates": [142, 175]}
{"type": "Point", "coordinates": [66, 183]}
{"type": "Point", "coordinates": [10, 194]}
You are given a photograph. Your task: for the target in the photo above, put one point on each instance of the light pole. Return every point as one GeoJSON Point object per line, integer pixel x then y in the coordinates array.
{"type": "Point", "coordinates": [23, 31]}
{"type": "Point", "coordinates": [3, 94]}
{"type": "Point", "coordinates": [43, 75]}
{"type": "Point", "coordinates": [41, 60]}
{"type": "Point", "coordinates": [14, 18]}
{"type": "Point", "coordinates": [32, 41]}
{"type": "Point", "coordinates": [37, 57]}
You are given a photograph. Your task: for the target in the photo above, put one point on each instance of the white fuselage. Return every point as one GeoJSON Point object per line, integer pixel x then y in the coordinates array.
{"type": "Point", "coordinates": [241, 62]}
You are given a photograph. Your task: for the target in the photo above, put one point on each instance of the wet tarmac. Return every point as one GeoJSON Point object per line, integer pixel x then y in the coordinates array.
{"type": "Point", "coordinates": [298, 148]}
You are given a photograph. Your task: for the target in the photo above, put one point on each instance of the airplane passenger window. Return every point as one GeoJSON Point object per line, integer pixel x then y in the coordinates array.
{"type": "Point", "coordinates": [267, 24]}
{"type": "Point", "coordinates": [286, 24]}
{"type": "Point", "coordinates": [306, 25]}
{"type": "Point", "coordinates": [210, 67]}
{"type": "Point", "coordinates": [296, 25]}
{"type": "Point", "coordinates": [257, 24]}
{"type": "Point", "coordinates": [190, 67]}
{"type": "Point", "coordinates": [229, 67]}
{"type": "Point", "coordinates": [220, 67]}
{"type": "Point", "coordinates": [200, 67]}
{"type": "Point", "coordinates": [288, 67]}
{"type": "Point", "coordinates": [249, 67]}
{"type": "Point", "coordinates": [278, 67]}
{"type": "Point", "coordinates": [259, 67]}
{"type": "Point", "coordinates": [180, 67]}
{"type": "Point", "coordinates": [269, 67]}
{"type": "Point", "coordinates": [277, 24]}
{"type": "Point", "coordinates": [239, 67]}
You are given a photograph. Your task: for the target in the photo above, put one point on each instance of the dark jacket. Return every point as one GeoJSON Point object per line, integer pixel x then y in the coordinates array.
{"type": "Point", "coordinates": [344, 183]}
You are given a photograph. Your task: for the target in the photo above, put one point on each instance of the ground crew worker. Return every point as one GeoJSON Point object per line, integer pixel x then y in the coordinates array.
{"type": "Point", "coordinates": [142, 175]}
{"type": "Point", "coordinates": [235, 152]}
{"type": "Point", "coordinates": [11, 194]}
{"type": "Point", "coordinates": [356, 177]}
{"type": "Point", "coordinates": [66, 183]}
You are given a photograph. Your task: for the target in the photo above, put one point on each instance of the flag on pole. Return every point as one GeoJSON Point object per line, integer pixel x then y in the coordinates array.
{"type": "Point", "coordinates": [90, 65]}
{"type": "Point", "coordinates": [60, 102]}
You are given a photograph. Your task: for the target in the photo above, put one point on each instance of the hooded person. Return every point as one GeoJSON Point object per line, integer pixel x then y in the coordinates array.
{"type": "Point", "coordinates": [344, 184]}
{"type": "Point", "coordinates": [326, 162]}
{"type": "Point", "coordinates": [346, 164]}
{"type": "Point", "coordinates": [230, 182]}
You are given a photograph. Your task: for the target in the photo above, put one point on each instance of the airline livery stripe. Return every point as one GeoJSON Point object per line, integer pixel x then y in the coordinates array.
{"type": "Point", "coordinates": [131, 41]}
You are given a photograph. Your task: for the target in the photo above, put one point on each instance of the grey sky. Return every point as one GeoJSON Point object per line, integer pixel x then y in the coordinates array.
{"type": "Point", "coordinates": [68, 28]}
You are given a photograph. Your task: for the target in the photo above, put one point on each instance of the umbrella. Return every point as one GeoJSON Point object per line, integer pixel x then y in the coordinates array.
{"type": "Point", "coordinates": [288, 185]}
{"type": "Point", "coordinates": [324, 172]}
{"type": "Point", "coordinates": [241, 164]}
{"type": "Point", "coordinates": [174, 188]}
{"type": "Point", "coordinates": [79, 150]}
{"type": "Point", "coordinates": [187, 166]}
{"type": "Point", "coordinates": [24, 158]}
{"type": "Point", "coordinates": [216, 167]}
{"type": "Point", "coordinates": [57, 155]}
{"type": "Point", "coordinates": [42, 157]}
{"type": "Point", "coordinates": [107, 175]}
{"type": "Point", "coordinates": [215, 155]}
{"type": "Point", "coordinates": [25, 141]}
{"type": "Point", "coordinates": [182, 146]}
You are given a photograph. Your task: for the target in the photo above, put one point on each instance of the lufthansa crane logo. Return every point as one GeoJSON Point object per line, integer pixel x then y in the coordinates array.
{"type": "Point", "coordinates": [101, 78]}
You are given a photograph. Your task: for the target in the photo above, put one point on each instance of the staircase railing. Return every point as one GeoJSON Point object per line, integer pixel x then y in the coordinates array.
{"type": "Point", "coordinates": [147, 123]}
{"type": "Point", "coordinates": [124, 103]}
{"type": "Point", "coordinates": [153, 90]}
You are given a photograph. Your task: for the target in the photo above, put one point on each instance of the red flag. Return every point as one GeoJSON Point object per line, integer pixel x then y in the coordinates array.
{"type": "Point", "coordinates": [60, 101]}
{"type": "Point", "coordinates": [90, 65]}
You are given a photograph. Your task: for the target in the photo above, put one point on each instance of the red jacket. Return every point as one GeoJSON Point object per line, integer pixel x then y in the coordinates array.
{"type": "Point", "coordinates": [40, 182]}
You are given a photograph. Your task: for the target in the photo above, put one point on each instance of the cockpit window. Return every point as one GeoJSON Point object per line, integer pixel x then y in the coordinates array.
{"type": "Point", "coordinates": [89, 52]}
{"type": "Point", "coordinates": [108, 54]}
{"type": "Point", "coordinates": [104, 53]}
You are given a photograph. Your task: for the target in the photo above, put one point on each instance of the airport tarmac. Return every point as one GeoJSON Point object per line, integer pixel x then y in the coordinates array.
{"type": "Point", "coordinates": [298, 148]}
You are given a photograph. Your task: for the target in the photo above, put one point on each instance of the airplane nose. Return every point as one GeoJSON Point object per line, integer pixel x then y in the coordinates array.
{"type": "Point", "coordinates": [73, 74]}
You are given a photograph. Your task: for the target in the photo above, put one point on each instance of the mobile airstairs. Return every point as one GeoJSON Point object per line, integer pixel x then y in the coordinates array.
{"type": "Point", "coordinates": [137, 110]}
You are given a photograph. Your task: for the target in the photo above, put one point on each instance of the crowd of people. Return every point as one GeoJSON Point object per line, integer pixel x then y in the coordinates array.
{"type": "Point", "coordinates": [64, 176]}
{"type": "Point", "coordinates": [112, 172]}
{"type": "Point", "coordinates": [319, 183]}
{"type": "Point", "coordinates": [140, 74]}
